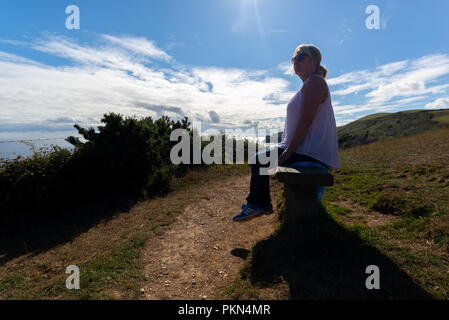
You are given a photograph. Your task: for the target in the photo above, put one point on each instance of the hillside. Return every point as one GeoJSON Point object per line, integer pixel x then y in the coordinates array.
{"type": "Point", "coordinates": [388, 207]}
{"type": "Point", "coordinates": [382, 126]}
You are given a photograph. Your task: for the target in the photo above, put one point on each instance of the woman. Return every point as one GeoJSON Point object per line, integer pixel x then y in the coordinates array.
{"type": "Point", "coordinates": [310, 132]}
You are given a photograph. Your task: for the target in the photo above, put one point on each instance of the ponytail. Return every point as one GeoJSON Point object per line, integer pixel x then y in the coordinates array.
{"type": "Point", "coordinates": [322, 70]}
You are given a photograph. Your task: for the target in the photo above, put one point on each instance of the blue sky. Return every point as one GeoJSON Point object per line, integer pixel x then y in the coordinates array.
{"type": "Point", "coordinates": [223, 62]}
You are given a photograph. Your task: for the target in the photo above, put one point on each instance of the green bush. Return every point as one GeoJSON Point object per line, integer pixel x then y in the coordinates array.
{"type": "Point", "coordinates": [27, 183]}
{"type": "Point", "coordinates": [125, 155]}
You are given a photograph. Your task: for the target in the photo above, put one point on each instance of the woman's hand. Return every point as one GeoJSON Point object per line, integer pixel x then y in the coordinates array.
{"type": "Point", "coordinates": [284, 156]}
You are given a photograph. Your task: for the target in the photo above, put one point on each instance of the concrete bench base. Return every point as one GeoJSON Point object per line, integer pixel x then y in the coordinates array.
{"type": "Point", "coordinates": [300, 191]}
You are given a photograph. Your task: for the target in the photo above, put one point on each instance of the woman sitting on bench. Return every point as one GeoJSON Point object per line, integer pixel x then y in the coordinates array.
{"type": "Point", "coordinates": [310, 132]}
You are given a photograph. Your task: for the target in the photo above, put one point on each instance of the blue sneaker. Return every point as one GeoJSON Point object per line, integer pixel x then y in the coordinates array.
{"type": "Point", "coordinates": [252, 210]}
{"type": "Point", "coordinates": [270, 211]}
{"type": "Point", "coordinates": [320, 193]}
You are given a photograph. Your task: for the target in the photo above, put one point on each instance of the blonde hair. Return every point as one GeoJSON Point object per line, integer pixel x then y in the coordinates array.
{"type": "Point", "coordinates": [314, 53]}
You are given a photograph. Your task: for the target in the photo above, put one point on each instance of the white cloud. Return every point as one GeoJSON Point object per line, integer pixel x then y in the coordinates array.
{"type": "Point", "coordinates": [391, 68]}
{"type": "Point", "coordinates": [133, 76]}
{"type": "Point", "coordinates": [438, 104]}
{"type": "Point", "coordinates": [4, 56]}
{"type": "Point", "coordinates": [139, 45]}
{"type": "Point", "coordinates": [286, 68]}
{"type": "Point", "coordinates": [403, 79]}
{"type": "Point", "coordinates": [349, 77]}
{"type": "Point", "coordinates": [409, 100]}
{"type": "Point", "coordinates": [118, 75]}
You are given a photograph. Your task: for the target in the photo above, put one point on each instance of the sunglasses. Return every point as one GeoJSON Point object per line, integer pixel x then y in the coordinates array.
{"type": "Point", "coordinates": [300, 57]}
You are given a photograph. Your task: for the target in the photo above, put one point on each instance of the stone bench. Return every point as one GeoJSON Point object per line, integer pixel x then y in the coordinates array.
{"type": "Point", "coordinates": [300, 191]}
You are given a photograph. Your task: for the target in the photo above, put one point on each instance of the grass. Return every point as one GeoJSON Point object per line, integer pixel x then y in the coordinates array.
{"type": "Point", "coordinates": [406, 179]}
{"type": "Point", "coordinates": [384, 126]}
{"type": "Point", "coordinates": [108, 255]}
{"type": "Point", "coordinates": [443, 119]}
{"type": "Point", "coordinates": [338, 210]}
{"type": "Point", "coordinates": [376, 115]}
{"type": "Point", "coordinates": [116, 268]}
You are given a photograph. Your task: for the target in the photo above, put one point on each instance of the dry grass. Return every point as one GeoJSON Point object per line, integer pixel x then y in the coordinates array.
{"type": "Point", "coordinates": [108, 253]}
{"type": "Point", "coordinates": [389, 206]}
{"type": "Point", "coordinates": [408, 180]}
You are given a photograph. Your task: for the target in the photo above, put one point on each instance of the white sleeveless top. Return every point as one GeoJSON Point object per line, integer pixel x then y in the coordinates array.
{"type": "Point", "coordinates": [321, 141]}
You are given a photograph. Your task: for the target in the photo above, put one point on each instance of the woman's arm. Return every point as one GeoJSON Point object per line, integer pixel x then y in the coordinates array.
{"type": "Point", "coordinates": [314, 93]}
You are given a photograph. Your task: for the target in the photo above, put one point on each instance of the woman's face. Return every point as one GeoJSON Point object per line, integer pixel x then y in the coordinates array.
{"type": "Point", "coordinates": [302, 64]}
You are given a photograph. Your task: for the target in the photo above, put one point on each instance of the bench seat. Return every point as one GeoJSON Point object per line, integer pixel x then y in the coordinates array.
{"type": "Point", "coordinates": [304, 176]}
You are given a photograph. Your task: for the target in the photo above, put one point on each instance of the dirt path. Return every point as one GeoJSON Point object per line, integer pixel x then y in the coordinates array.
{"type": "Point", "coordinates": [203, 250]}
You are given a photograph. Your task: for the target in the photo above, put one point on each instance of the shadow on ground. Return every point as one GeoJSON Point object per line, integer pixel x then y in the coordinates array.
{"type": "Point", "coordinates": [326, 261]}
{"type": "Point", "coordinates": [240, 253]}
{"type": "Point", "coordinates": [35, 233]}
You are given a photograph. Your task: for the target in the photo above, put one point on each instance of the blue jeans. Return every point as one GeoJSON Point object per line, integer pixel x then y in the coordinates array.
{"type": "Point", "coordinates": [259, 192]}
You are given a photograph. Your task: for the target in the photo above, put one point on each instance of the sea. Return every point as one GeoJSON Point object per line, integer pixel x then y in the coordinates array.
{"type": "Point", "coordinates": [13, 145]}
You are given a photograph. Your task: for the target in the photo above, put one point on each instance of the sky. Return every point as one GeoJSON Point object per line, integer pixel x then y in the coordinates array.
{"type": "Point", "coordinates": [226, 63]}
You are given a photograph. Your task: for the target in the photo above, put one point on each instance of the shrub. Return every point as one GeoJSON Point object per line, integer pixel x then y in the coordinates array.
{"type": "Point", "coordinates": [126, 155]}
{"type": "Point", "coordinates": [27, 183]}
{"type": "Point", "coordinates": [123, 156]}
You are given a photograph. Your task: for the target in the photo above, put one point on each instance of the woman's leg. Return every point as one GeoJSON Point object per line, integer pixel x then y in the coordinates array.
{"type": "Point", "coordinates": [260, 184]}
{"type": "Point", "coordinates": [259, 191]}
